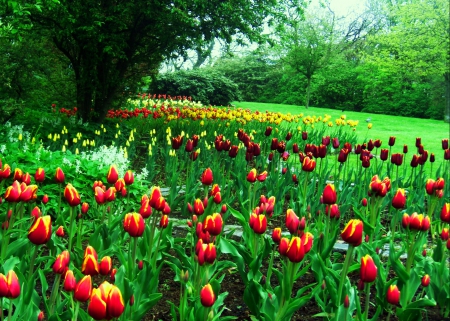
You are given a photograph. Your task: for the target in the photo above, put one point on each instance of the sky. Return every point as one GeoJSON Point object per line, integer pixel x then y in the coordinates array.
{"type": "Point", "coordinates": [343, 7]}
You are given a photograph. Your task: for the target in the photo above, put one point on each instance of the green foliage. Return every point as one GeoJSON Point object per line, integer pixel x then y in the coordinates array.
{"type": "Point", "coordinates": [203, 85]}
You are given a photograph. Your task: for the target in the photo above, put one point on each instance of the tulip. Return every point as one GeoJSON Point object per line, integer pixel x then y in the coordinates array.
{"type": "Point", "coordinates": [281, 148]}
{"type": "Point", "coordinates": [321, 151]}
{"type": "Point", "coordinates": [39, 176]}
{"type": "Point", "coordinates": [326, 140]}
{"type": "Point", "coordinates": [393, 295]}
{"type": "Point", "coordinates": [3, 286]}
{"type": "Point", "coordinates": [5, 172]}
{"type": "Point", "coordinates": [391, 141]}
{"type": "Point", "coordinates": [295, 251]}
{"type": "Point", "coordinates": [128, 177]}
{"type": "Point", "coordinates": [105, 266]}
{"type": "Point", "coordinates": [41, 316]}
{"type": "Point", "coordinates": [258, 223]}
{"type": "Point", "coordinates": [232, 153]}
{"type": "Point", "coordinates": [97, 306]}
{"type": "Point", "coordinates": [59, 176]}
{"type": "Point", "coordinates": [164, 222]}
{"type": "Point", "coordinates": [399, 199]}
{"type": "Point", "coordinates": [292, 221]}
{"type": "Point", "coordinates": [113, 174]}
{"type": "Point", "coordinates": [210, 253]}
{"type": "Point", "coordinates": [333, 211]}
{"type": "Point", "coordinates": [199, 209]}
{"type": "Point", "coordinates": [368, 271]}
{"type": "Point", "coordinates": [189, 146]}
{"type": "Point", "coordinates": [445, 234]}
{"type": "Point", "coordinates": [335, 143]}
{"type": "Point", "coordinates": [13, 285]}
{"type": "Point", "coordinates": [134, 224]}
{"type": "Point", "coordinates": [343, 155]}
{"type": "Point", "coordinates": [288, 136]}
{"type": "Point", "coordinates": [377, 143]}
{"type": "Point", "coordinates": [439, 184]}
{"type": "Point", "coordinates": [71, 195]}
{"type": "Point", "coordinates": [268, 131]}
{"type": "Point", "coordinates": [329, 194]}
{"type": "Point", "coordinates": [84, 208]}
{"type": "Point", "coordinates": [447, 154]}
{"type": "Point", "coordinates": [276, 235]}
{"type": "Point", "coordinates": [18, 174]}
{"type": "Point", "coordinates": [100, 197]}
{"type": "Point", "coordinates": [90, 251]}
{"type": "Point", "coordinates": [36, 212]}
{"type": "Point", "coordinates": [61, 263]}
{"type": "Point", "coordinates": [352, 232]}
{"type": "Point", "coordinates": [304, 135]}
{"type": "Point", "coordinates": [90, 265]}
{"type": "Point", "coordinates": [425, 280]}
{"type": "Point", "coordinates": [274, 144]}
{"type": "Point", "coordinates": [41, 230]}
{"type": "Point", "coordinates": [12, 193]}
{"type": "Point", "coordinates": [295, 148]}
{"type": "Point", "coordinates": [448, 244]}
{"type": "Point", "coordinates": [207, 296]}
{"type": "Point", "coordinates": [146, 209]}
{"type": "Point", "coordinates": [445, 213]}
{"type": "Point", "coordinates": [284, 244]}
{"type": "Point", "coordinates": [445, 143]}
{"type": "Point", "coordinates": [262, 176]}
{"type": "Point", "coordinates": [207, 177]}
{"type": "Point", "coordinates": [29, 193]}
{"type": "Point", "coordinates": [60, 231]}
{"type": "Point", "coordinates": [119, 185]}
{"type": "Point", "coordinates": [308, 164]}
{"type": "Point", "coordinates": [346, 301]}
{"type": "Point", "coordinates": [70, 282]}
{"type": "Point", "coordinates": [115, 302]}
{"type": "Point", "coordinates": [213, 224]}
{"type": "Point", "coordinates": [251, 176]}
{"type": "Point", "coordinates": [110, 194]}
{"type": "Point", "coordinates": [45, 199]}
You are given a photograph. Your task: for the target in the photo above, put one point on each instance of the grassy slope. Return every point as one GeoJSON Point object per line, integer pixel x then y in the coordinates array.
{"type": "Point", "coordinates": [405, 129]}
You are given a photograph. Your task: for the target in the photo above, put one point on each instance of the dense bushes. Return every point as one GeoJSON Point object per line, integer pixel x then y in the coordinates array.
{"type": "Point", "coordinates": [203, 85]}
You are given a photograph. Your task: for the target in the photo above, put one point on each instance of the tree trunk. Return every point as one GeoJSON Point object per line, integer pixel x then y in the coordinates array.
{"type": "Point", "coordinates": [447, 97]}
{"type": "Point", "coordinates": [308, 92]}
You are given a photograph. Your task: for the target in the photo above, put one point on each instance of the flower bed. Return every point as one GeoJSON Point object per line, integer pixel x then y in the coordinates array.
{"type": "Point", "coordinates": [86, 237]}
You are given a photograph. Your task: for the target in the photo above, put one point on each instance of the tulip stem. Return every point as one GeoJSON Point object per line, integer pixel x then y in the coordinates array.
{"type": "Point", "coordinates": [1, 309]}
{"type": "Point", "coordinates": [269, 271]}
{"type": "Point", "coordinates": [6, 234]}
{"type": "Point", "coordinates": [71, 229]}
{"type": "Point", "coordinates": [10, 312]}
{"type": "Point", "coordinates": [55, 290]}
{"type": "Point", "coordinates": [366, 312]}
{"type": "Point", "coordinates": [80, 223]}
{"type": "Point", "coordinates": [33, 258]}
{"type": "Point", "coordinates": [75, 314]}
{"type": "Point", "coordinates": [345, 267]}
{"type": "Point", "coordinates": [152, 234]}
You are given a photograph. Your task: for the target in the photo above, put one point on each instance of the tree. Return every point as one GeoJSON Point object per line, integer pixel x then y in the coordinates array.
{"type": "Point", "coordinates": [410, 55]}
{"type": "Point", "coordinates": [111, 44]}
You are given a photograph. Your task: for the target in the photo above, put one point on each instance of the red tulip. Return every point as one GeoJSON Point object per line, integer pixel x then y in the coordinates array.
{"type": "Point", "coordinates": [45, 199]}
{"type": "Point", "coordinates": [210, 253]}
{"type": "Point", "coordinates": [41, 230]}
{"type": "Point", "coordinates": [146, 209]}
{"type": "Point", "coordinates": [207, 177]}
{"type": "Point", "coordinates": [70, 282]}
{"type": "Point", "coordinates": [13, 192]}
{"type": "Point", "coordinates": [399, 199]}
{"type": "Point", "coordinates": [352, 232]}
{"type": "Point", "coordinates": [61, 263]}
{"type": "Point", "coordinates": [59, 176]}
{"type": "Point", "coordinates": [41, 316]}
{"type": "Point", "coordinates": [128, 177]}
{"type": "Point", "coordinates": [115, 302]}
{"type": "Point", "coordinates": [346, 301]}
{"type": "Point", "coordinates": [445, 213]}
{"type": "Point", "coordinates": [308, 164]}
{"type": "Point", "coordinates": [164, 222]}
{"type": "Point", "coordinates": [258, 223]}
{"type": "Point", "coordinates": [13, 285]}
{"type": "Point", "coordinates": [292, 221]}
{"type": "Point", "coordinates": [333, 211]}
{"type": "Point", "coordinates": [134, 224]}
{"type": "Point", "coordinates": [444, 234]}
{"type": "Point", "coordinates": [60, 231]}
{"type": "Point", "coordinates": [213, 224]}
{"type": "Point", "coordinates": [343, 155]}
{"type": "Point", "coordinates": [29, 193]}
{"type": "Point", "coordinates": [105, 265]}
{"type": "Point", "coordinates": [304, 135]}
{"type": "Point", "coordinates": [425, 280]}
{"type": "Point", "coordinates": [445, 143]}
{"type": "Point", "coordinates": [276, 235]}
{"type": "Point", "coordinates": [110, 194]}
{"type": "Point", "coordinates": [295, 251]}
{"type": "Point", "coordinates": [368, 271]}
{"type": "Point", "coordinates": [207, 296]}
{"type": "Point", "coordinates": [113, 174]}
{"type": "Point", "coordinates": [17, 174]}
{"type": "Point", "coordinates": [251, 176]}
{"type": "Point", "coordinates": [71, 195]}
{"type": "Point", "coordinates": [90, 265]}
{"type": "Point", "coordinates": [26, 178]}
{"type": "Point", "coordinates": [119, 185]}
{"type": "Point", "coordinates": [90, 251]}
{"type": "Point", "coordinates": [100, 197]}
{"type": "Point", "coordinates": [39, 176]}
{"type": "Point", "coordinates": [268, 131]}
{"type": "Point", "coordinates": [232, 153]}
{"type": "Point", "coordinates": [5, 172]}
{"type": "Point", "coordinates": [391, 141]}
{"type": "Point", "coordinates": [393, 295]}
{"type": "Point", "coordinates": [284, 244]}
{"type": "Point", "coordinates": [329, 194]}
{"type": "Point", "coordinates": [199, 209]}
{"type": "Point", "coordinates": [84, 208]}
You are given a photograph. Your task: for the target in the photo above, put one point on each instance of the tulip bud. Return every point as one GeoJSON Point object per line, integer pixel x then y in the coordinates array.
{"type": "Point", "coordinates": [140, 265]}
{"type": "Point", "coordinates": [251, 176]}
{"type": "Point", "coordinates": [444, 234]}
{"type": "Point", "coordinates": [207, 296]}
{"type": "Point", "coordinates": [207, 177]}
{"type": "Point", "coordinates": [128, 177]}
{"type": "Point", "coordinates": [329, 194]}
{"type": "Point", "coordinates": [368, 271]}
{"type": "Point", "coordinates": [70, 282]}
{"type": "Point", "coordinates": [113, 275]}
{"type": "Point", "coordinates": [393, 295]}
{"type": "Point", "coordinates": [364, 202]}
{"type": "Point", "coordinates": [399, 199]}
{"type": "Point", "coordinates": [45, 199]}
{"type": "Point", "coordinates": [41, 316]}
{"type": "Point", "coordinates": [113, 174]}
{"type": "Point", "coordinates": [39, 176]}
{"type": "Point", "coordinates": [346, 301]}
{"type": "Point", "coordinates": [425, 280]}
{"type": "Point", "coordinates": [41, 230]}
{"type": "Point", "coordinates": [60, 231]}
{"type": "Point", "coordinates": [352, 232]}
{"type": "Point", "coordinates": [105, 265]}
{"type": "Point", "coordinates": [59, 176]}
{"type": "Point", "coordinates": [71, 195]}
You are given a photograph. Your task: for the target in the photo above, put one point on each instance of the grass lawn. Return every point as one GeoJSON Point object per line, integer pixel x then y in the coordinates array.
{"type": "Point", "coordinates": [405, 129]}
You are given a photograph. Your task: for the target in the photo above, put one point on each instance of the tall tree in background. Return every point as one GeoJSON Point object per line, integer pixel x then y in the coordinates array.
{"type": "Point", "coordinates": [111, 44]}
{"type": "Point", "coordinates": [408, 60]}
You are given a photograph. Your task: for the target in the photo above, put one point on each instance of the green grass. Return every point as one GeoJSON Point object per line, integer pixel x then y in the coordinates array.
{"type": "Point", "coordinates": [405, 129]}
